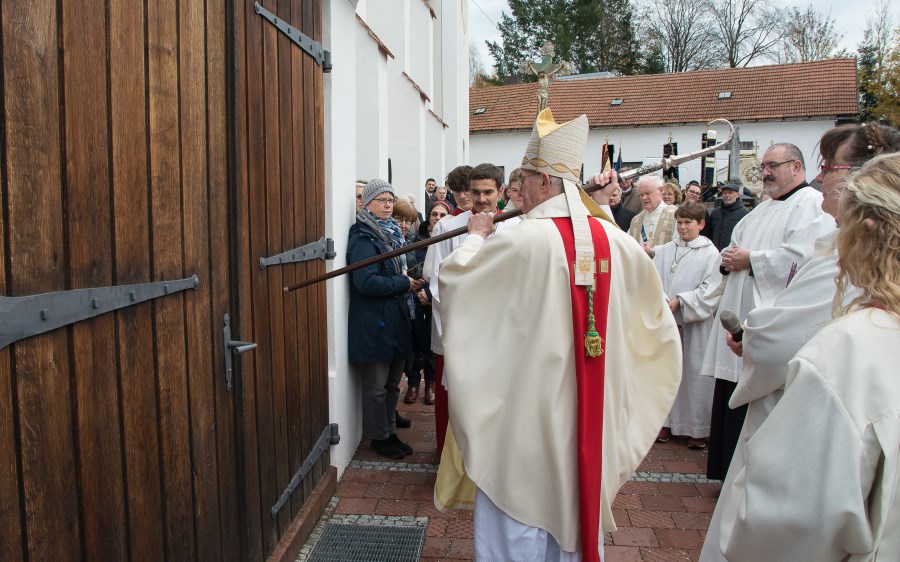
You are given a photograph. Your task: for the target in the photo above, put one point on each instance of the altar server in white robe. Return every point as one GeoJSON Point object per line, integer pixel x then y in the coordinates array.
{"type": "Point", "coordinates": [550, 434]}
{"type": "Point", "coordinates": [822, 474]}
{"type": "Point", "coordinates": [767, 246]}
{"type": "Point", "coordinates": [482, 190]}
{"type": "Point", "coordinates": [773, 334]}
{"type": "Point", "coordinates": [686, 266]}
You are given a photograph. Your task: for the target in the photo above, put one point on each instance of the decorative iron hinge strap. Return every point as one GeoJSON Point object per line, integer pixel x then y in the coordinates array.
{"type": "Point", "coordinates": [322, 249]}
{"type": "Point", "coordinates": [24, 317]}
{"type": "Point", "coordinates": [313, 48]}
{"type": "Point", "coordinates": [329, 437]}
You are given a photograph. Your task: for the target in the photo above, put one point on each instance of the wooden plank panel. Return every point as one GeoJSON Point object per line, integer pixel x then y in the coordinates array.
{"type": "Point", "coordinates": [253, 301]}
{"type": "Point", "coordinates": [265, 306]}
{"type": "Point", "coordinates": [297, 404]}
{"type": "Point", "coordinates": [167, 243]}
{"type": "Point", "coordinates": [316, 217]}
{"type": "Point", "coordinates": [129, 130]}
{"type": "Point", "coordinates": [31, 98]}
{"type": "Point", "coordinates": [305, 232]}
{"type": "Point", "coordinates": [192, 83]}
{"type": "Point", "coordinates": [278, 105]}
{"type": "Point", "coordinates": [218, 161]}
{"type": "Point", "coordinates": [11, 529]}
{"type": "Point", "coordinates": [87, 199]}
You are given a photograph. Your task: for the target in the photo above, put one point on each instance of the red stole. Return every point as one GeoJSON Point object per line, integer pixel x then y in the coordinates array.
{"type": "Point", "coordinates": [456, 212]}
{"type": "Point", "coordinates": [589, 375]}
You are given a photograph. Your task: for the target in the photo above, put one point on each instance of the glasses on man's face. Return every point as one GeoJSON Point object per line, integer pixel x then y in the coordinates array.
{"type": "Point", "coordinates": [402, 220]}
{"type": "Point", "coordinates": [385, 201]}
{"type": "Point", "coordinates": [825, 168]}
{"type": "Point", "coordinates": [772, 165]}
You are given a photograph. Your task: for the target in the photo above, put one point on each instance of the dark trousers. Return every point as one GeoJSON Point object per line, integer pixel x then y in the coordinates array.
{"type": "Point", "coordinates": [724, 431]}
{"type": "Point", "coordinates": [413, 376]}
{"type": "Point", "coordinates": [380, 393]}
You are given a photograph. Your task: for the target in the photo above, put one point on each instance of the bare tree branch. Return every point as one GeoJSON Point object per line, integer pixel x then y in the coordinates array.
{"type": "Point", "coordinates": [745, 30]}
{"type": "Point", "coordinates": [808, 35]}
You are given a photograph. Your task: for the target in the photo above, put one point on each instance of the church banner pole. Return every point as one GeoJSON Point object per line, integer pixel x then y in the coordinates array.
{"type": "Point", "coordinates": [665, 164]}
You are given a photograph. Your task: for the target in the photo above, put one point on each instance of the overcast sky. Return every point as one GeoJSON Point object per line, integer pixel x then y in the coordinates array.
{"type": "Point", "coordinates": [849, 16]}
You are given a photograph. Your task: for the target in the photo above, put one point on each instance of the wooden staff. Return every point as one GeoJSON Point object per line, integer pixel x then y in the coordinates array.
{"type": "Point", "coordinates": [665, 164]}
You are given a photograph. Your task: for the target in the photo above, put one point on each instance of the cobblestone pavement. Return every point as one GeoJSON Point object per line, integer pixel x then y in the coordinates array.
{"type": "Point", "coordinates": [662, 513]}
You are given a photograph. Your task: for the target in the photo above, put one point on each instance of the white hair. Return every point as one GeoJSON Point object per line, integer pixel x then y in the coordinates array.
{"type": "Point", "coordinates": [652, 181]}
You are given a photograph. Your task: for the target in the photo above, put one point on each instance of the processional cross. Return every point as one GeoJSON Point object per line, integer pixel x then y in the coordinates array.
{"type": "Point", "coordinates": [546, 70]}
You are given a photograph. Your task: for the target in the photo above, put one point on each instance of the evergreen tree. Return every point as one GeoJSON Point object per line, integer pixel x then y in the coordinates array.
{"type": "Point", "coordinates": [593, 35]}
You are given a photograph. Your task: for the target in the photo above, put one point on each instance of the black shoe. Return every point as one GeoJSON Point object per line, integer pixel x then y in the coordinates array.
{"type": "Point", "coordinates": [407, 450]}
{"type": "Point", "coordinates": [402, 422]}
{"type": "Point", "coordinates": [387, 448]}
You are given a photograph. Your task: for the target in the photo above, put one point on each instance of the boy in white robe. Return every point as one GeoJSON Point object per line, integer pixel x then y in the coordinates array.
{"type": "Point", "coordinates": [686, 265]}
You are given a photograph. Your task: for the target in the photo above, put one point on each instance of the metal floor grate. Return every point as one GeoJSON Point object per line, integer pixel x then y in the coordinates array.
{"type": "Point", "coordinates": [368, 543]}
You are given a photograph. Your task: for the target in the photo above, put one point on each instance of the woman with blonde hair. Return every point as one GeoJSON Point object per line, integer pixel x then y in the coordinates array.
{"type": "Point", "coordinates": [671, 194]}
{"type": "Point", "coordinates": [822, 473]}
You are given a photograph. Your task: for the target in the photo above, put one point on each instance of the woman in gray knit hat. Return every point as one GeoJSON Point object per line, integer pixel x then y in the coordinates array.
{"type": "Point", "coordinates": [380, 338]}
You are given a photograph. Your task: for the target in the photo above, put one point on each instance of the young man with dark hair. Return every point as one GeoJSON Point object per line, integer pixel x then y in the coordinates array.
{"type": "Point", "coordinates": [482, 189]}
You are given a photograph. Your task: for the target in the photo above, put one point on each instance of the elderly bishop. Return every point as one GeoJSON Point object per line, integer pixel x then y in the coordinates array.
{"type": "Point", "coordinates": [548, 435]}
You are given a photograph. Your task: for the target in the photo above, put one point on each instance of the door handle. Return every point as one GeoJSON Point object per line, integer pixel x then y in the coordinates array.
{"type": "Point", "coordinates": [233, 347]}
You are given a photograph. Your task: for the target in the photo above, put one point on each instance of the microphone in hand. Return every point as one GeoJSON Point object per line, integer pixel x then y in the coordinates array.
{"type": "Point", "coordinates": [732, 324]}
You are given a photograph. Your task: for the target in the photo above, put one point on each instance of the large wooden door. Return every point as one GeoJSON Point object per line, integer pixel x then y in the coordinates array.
{"type": "Point", "coordinates": [143, 143]}
{"type": "Point", "coordinates": [280, 169]}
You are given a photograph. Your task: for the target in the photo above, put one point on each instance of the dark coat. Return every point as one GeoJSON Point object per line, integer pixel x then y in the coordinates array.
{"type": "Point", "coordinates": [623, 217]}
{"type": "Point", "coordinates": [379, 324]}
{"type": "Point", "coordinates": [721, 223]}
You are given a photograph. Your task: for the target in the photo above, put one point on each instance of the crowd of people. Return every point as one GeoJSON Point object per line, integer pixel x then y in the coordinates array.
{"type": "Point", "coordinates": [618, 297]}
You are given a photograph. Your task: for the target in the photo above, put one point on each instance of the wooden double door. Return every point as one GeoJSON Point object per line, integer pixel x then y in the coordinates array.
{"type": "Point", "coordinates": [145, 142]}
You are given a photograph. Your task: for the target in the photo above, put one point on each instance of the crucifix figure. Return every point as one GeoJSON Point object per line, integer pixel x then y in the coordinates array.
{"type": "Point", "coordinates": [546, 71]}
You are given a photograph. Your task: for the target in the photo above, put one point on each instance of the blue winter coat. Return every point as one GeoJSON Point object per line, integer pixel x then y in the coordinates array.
{"type": "Point", "coordinates": [379, 325]}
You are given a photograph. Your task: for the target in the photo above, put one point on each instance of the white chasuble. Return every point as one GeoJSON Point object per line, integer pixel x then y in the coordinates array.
{"type": "Point", "coordinates": [686, 269]}
{"type": "Point", "coordinates": [513, 414]}
{"type": "Point", "coordinates": [821, 477]}
{"type": "Point", "coordinates": [775, 232]}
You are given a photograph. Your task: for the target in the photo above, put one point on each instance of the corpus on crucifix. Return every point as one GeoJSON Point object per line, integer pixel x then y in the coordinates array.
{"type": "Point", "coordinates": [546, 70]}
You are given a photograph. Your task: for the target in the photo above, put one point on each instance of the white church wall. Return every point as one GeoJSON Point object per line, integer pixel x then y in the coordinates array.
{"type": "Point", "coordinates": [644, 144]}
{"type": "Point", "coordinates": [373, 112]}
{"type": "Point", "coordinates": [340, 175]}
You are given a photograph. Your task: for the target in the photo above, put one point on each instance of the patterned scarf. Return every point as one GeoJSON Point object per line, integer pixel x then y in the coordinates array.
{"type": "Point", "coordinates": [389, 232]}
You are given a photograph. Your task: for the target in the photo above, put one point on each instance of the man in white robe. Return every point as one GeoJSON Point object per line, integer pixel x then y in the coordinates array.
{"type": "Point", "coordinates": [767, 248]}
{"type": "Point", "coordinates": [655, 225]}
{"type": "Point", "coordinates": [774, 334]}
{"type": "Point", "coordinates": [822, 473]}
{"type": "Point", "coordinates": [686, 266]}
{"type": "Point", "coordinates": [481, 195]}
{"type": "Point", "coordinates": [514, 415]}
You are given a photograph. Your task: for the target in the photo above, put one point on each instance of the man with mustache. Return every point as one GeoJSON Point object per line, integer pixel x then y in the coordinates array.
{"type": "Point", "coordinates": [767, 246]}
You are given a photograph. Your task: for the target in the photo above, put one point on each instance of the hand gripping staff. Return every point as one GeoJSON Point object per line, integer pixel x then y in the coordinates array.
{"type": "Point", "coordinates": [665, 164]}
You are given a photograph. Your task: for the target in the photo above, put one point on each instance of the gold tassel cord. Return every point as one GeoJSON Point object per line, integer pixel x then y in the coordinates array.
{"type": "Point", "coordinates": [593, 343]}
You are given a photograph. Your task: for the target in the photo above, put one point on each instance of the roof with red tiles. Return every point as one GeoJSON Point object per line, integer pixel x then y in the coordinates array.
{"type": "Point", "coordinates": [796, 91]}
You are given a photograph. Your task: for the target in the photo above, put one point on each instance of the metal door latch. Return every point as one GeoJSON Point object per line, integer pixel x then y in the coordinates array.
{"type": "Point", "coordinates": [313, 48]}
{"type": "Point", "coordinates": [24, 317]}
{"type": "Point", "coordinates": [235, 347]}
{"type": "Point", "coordinates": [322, 249]}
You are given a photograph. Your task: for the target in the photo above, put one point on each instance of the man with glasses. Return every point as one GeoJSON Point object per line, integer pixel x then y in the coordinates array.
{"type": "Point", "coordinates": [766, 247]}
{"type": "Point", "coordinates": [551, 416]}
{"type": "Point", "coordinates": [655, 225]}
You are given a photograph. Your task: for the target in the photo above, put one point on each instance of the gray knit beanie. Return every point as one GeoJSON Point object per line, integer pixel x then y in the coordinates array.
{"type": "Point", "coordinates": [375, 188]}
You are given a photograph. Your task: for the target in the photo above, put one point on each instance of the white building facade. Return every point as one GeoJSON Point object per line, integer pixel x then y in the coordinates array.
{"type": "Point", "coordinates": [398, 90]}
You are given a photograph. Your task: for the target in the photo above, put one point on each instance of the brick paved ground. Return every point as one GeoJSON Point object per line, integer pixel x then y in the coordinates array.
{"type": "Point", "coordinates": [662, 513]}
